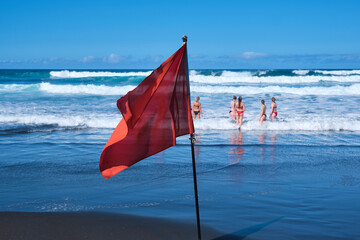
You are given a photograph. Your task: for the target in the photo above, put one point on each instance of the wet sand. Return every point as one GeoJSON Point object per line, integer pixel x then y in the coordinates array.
{"type": "Point", "coordinates": [95, 225]}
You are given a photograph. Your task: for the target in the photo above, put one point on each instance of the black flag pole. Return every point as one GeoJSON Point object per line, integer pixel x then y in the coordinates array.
{"type": "Point", "coordinates": [193, 140]}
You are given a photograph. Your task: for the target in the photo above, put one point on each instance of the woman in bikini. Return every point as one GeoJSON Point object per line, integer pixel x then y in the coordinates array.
{"type": "Point", "coordinates": [232, 108]}
{"type": "Point", "coordinates": [196, 108]}
{"type": "Point", "coordinates": [240, 109]}
{"type": "Point", "coordinates": [273, 107]}
{"type": "Point", "coordinates": [263, 112]}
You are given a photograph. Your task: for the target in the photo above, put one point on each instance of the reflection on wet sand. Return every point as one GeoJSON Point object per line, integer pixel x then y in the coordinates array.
{"type": "Point", "coordinates": [197, 147]}
{"type": "Point", "coordinates": [236, 153]}
{"type": "Point", "coordinates": [262, 148]}
{"type": "Point", "coordinates": [273, 147]}
{"type": "Point", "coordinates": [262, 141]}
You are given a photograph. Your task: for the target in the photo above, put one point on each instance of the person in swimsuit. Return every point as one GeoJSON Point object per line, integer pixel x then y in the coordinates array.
{"type": "Point", "coordinates": [240, 109]}
{"type": "Point", "coordinates": [273, 108]}
{"type": "Point", "coordinates": [196, 108]}
{"type": "Point", "coordinates": [232, 108]}
{"type": "Point", "coordinates": [263, 112]}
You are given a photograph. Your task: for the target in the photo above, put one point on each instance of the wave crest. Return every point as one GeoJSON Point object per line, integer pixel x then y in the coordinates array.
{"type": "Point", "coordinates": [247, 77]}
{"type": "Point", "coordinates": [92, 89]}
{"type": "Point", "coordinates": [212, 123]}
{"type": "Point", "coordinates": [91, 121]}
{"type": "Point", "coordinates": [338, 72]}
{"type": "Point", "coordinates": [85, 89]}
{"type": "Point", "coordinates": [84, 74]}
{"type": "Point", "coordinates": [335, 90]}
{"type": "Point", "coordinates": [301, 72]}
{"type": "Point", "coordinates": [316, 124]}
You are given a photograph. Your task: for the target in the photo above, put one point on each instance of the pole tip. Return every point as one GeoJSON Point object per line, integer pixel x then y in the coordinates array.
{"type": "Point", "coordinates": [184, 38]}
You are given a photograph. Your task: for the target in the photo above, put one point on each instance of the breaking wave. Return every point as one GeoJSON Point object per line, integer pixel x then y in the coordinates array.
{"type": "Point", "coordinates": [91, 89]}
{"type": "Point", "coordinates": [231, 76]}
{"type": "Point", "coordinates": [338, 72]}
{"type": "Point", "coordinates": [315, 124]}
{"type": "Point", "coordinates": [91, 121]}
{"type": "Point", "coordinates": [18, 87]}
{"type": "Point", "coordinates": [213, 123]}
{"type": "Point", "coordinates": [249, 90]}
{"type": "Point", "coordinates": [301, 72]}
{"type": "Point", "coordinates": [247, 77]}
{"type": "Point", "coordinates": [328, 72]}
{"type": "Point", "coordinates": [84, 74]}
{"type": "Point", "coordinates": [85, 89]}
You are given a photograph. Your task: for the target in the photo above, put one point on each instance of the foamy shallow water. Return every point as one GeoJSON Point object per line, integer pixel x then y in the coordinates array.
{"type": "Point", "coordinates": [294, 178]}
{"type": "Point", "coordinates": [259, 183]}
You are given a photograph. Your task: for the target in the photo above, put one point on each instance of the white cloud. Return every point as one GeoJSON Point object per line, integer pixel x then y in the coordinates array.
{"type": "Point", "coordinates": [247, 55]}
{"type": "Point", "coordinates": [113, 58]}
{"type": "Point", "coordinates": [252, 55]}
{"type": "Point", "coordinates": [87, 59]}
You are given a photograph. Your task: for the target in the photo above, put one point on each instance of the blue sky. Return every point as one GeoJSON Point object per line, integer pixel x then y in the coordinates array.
{"type": "Point", "coordinates": [141, 34]}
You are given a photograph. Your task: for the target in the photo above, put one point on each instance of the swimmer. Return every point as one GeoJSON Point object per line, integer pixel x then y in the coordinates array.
{"type": "Point", "coordinates": [196, 108]}
{"type": "Point", "coordinates": [273, 108]}
{"type": "Point", "coordinates": [232, 108]}
{"type": "Point", "coordinates": [263, 112]}
{"type": "Point", "coordinates": [240, 109]}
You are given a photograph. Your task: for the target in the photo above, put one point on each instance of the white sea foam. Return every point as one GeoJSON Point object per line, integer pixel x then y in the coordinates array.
{"type": "Point", "coordinates": [193, 72]}
{"type": "Point", "coordinates": [83, 74]}
{"type": "Point", "coordinates": [92, 89]}
{"type": "Point", "coordinates": [227, 73]}
{"type": "Point", "coordinates": [111, 121]}
{"type": "Point", "coordinates": [339, 72]}
{"type": "Point", "coordinates": [247, 77]}
{"type": "Point", "coordinates": [315, 124]}
{"type": "Point", "coordinates": [301, 72]}
{"type": "Point", "coordinates": [262, 72]}
{"type": "Point", "coordinates": [249, 90]}
{"type": "Point", "coordinates": [17, 87]}
{"type": "Point", "coordinates": [230, 76]}
{"type": "Point", "coordinates": [85, 89]}
{"type": "Point", "coordinates": [91, 121]}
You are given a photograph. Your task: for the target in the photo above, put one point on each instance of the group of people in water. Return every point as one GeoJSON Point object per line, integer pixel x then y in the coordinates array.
{"type": "Point", "coordinates": [237, 109]}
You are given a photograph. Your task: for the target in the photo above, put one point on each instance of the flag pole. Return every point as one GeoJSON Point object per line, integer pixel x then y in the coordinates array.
{"type": "Point", "coordinates": [193, 140]}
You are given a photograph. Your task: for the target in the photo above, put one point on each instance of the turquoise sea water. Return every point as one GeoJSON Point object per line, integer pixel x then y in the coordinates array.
{"type": "Point", "coordinates": [294, 178]}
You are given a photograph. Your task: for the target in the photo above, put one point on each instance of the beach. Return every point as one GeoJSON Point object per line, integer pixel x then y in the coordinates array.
{"type": "Point", "coordinates": [90, 225]}
{"type": "Point", "coordinates": [294, 178]}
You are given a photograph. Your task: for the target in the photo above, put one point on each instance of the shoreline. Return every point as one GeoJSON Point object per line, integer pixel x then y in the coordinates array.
{"type": "Point", "coordinates": [96, 225]}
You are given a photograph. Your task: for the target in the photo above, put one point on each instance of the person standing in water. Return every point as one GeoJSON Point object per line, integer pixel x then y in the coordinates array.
{"type": "Point", "coordinates": [240, 109]}
{"type": "Point", "coordinates": [232, 108]}
{"type": "Point", "coordinates": [196, 108]}
{"type": "Point", "coordinates": [273, 108]}
{"type": "Point", "coordinates": [263, 112]}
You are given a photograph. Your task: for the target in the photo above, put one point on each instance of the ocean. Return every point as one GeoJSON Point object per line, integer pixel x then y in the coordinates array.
{"type": "Point", "coordinates": [297, 177]}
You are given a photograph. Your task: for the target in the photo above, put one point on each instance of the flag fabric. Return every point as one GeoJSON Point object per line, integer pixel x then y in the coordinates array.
{"type": "Point", "coordinates": [154, 114]}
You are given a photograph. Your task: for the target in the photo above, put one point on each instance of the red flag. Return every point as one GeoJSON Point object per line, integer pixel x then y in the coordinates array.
{"type": "Point", "coordinates": [154, 114]}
